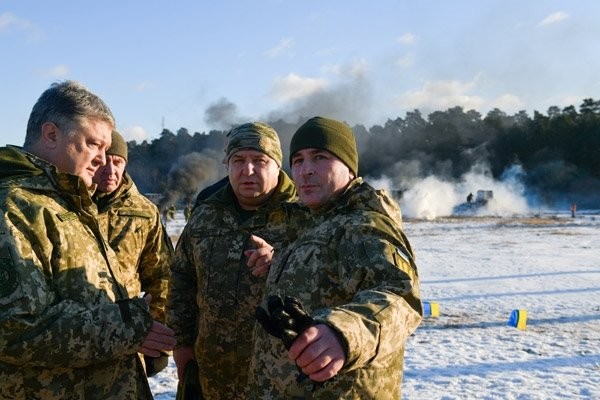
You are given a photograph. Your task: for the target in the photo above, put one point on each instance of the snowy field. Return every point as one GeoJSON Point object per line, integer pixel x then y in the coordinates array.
{"type": "Point", "coordinates": [478, 270]}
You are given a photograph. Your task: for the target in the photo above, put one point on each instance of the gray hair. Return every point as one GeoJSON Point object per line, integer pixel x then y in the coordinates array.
{"type": "Point", "coordinates": [65, 104]}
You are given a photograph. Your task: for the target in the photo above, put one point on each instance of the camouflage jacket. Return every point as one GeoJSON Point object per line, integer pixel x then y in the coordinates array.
{"type": "Point", "coordinates": [353, 269]}
{"type": "Point", "coordinates": [134, 229]}
{"type": "Point", "coordinates": [212, 294]}
{"type": "Point", "coordinates": [67, 329]}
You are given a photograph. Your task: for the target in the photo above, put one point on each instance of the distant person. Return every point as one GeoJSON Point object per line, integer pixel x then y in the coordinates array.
{"type": "Point", "coordinates": [187, 211]}
{"type": "Point", "coordinates": [470, 198]}
{"type": "Point", "coordinates": [573, 210]}
{"type": "Point", "coordinates": [219, 269]}
{"type": "Point", "coordinates": [133, 226]}
{"type": "Point", "coordinates": [167, 214]}
{"type": "Point", "coordinates": [68, 328]}
{"type": "Point", "coordinates": [349, 281]}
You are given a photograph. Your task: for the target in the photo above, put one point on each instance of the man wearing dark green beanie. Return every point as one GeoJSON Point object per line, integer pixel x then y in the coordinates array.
{"type": "Point", "coordinates": [327, 134]}
{"type": "Point", "coordinates": [353, 271]}
{"type": "Point", "coordinates": [133, 226]}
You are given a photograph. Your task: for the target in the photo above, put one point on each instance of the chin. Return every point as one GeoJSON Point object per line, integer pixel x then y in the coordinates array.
{"type": "Point", "coordinates": [250, 196]}
{"type": "Point", "coordinates": [310, 202]}
{"type": "Point", "coordinates": [89, 181]}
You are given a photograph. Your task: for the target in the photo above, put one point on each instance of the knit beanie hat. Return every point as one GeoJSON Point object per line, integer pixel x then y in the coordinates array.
{"type": "Point", "coordinates": [256, 136]}
{"type": "Point", "coordinates": [327, 134]}
{"type": "Point", "coordinates": [118, 146]}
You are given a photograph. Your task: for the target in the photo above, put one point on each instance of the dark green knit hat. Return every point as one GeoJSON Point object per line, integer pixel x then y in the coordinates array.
{"type": "Point", "coordinates": [327, 134]}
{"type": "Point", "coordinates": [256, 136]}
{"type": "Point", "coordinates": [118, 146]}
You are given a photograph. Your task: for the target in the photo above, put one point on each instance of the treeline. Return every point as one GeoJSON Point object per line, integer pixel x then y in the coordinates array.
{"type": "Point", "coordinates": [558, 152]}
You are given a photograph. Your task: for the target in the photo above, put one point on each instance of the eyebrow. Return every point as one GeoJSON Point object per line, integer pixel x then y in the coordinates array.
{"type": "Point", "coordinates": [312, 152]}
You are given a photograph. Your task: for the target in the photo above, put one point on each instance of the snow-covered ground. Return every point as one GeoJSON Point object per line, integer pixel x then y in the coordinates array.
{"type": "Point", "coordinates": [478, 270]}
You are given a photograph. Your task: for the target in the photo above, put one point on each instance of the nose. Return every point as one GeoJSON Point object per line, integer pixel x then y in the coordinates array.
{"type": "Point", "coordinates": [100, 158]}
{"type": "Point", "coordinates": [109, 168]}
{"type": "Point", "coordinates": [248, 168]}
{"type": "Point", "coordinates": [307, 168]}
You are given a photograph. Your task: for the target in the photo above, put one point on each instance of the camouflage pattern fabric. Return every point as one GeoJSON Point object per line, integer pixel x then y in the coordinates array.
{"type": "Point", "coordinates": [134, 229]}
{"type": "Point", "coordinates": [67, 329]}
{"type": "Point", "coordinates": [213, 295]}
{"type": "Point", "coordinates": [257, 136]}
{"type": "Point", "coordinates": [353, 270]}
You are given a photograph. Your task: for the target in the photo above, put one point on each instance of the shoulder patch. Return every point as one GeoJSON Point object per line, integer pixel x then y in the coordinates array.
{"type": "Point", "coordinates": [8, 277]}
{"type": "Point", "coordinates": [135, 213]}
{"type": "Point", "coordinates": [67, 216]}
{"type": "Point", "coordinates": [402, 255]}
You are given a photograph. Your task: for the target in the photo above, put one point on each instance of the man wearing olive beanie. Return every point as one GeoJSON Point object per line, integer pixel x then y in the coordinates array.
{"type": "Point", "coordinates": [134, 229]}
{"type": "Point", "coordinates": [352, 269]}
{"type": "Point", "coordinates": [327, 134]}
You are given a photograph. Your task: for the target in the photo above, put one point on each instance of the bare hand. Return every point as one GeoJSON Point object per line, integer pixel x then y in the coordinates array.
{"type": "Point", "coordinates": [259, 258]}
{"type": "Point", "coordinates": [160, 338]}
{"type": "Point", "coordinates": [182, 356]}
{"type": "Point", "coordinates": [318, 352]}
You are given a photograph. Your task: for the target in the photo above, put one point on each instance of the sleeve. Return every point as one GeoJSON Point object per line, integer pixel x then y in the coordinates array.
{"type": "Point", "coordinates": [38, 327]}
{"type": "Point", "coordinates": [386, 308]}
{"type": "Point", "coordinates": [182, 309]}
{"type": "Point", "coordinates": [154, 267]}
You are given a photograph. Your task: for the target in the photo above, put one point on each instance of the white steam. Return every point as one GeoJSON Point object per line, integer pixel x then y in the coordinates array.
{"type": "Point", "coordinates": [433, 197]}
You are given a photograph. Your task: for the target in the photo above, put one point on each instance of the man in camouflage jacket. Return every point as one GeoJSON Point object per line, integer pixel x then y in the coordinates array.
{"type": "Point", "coordinates": [68, 329]}
{"type": "Point", "coordinates": [352, 269]}
{"type": "Point", "coordinates": [134, 229]}
{"type": "Point", "coordinates": [213, 292]}
{"type": "Point", "coordinates": [133, 226]}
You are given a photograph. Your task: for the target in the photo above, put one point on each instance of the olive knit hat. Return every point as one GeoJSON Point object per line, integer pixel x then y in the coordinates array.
{"type": "Point", "coordinates": [256, 136]}
{"type": "Point", "coordinates": [118, 146]}
{"type": "Point", "coordinates": [327, 134]}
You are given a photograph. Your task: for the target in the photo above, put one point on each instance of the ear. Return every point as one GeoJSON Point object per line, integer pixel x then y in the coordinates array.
{"type": "Point", "coordinates": [50, 134]}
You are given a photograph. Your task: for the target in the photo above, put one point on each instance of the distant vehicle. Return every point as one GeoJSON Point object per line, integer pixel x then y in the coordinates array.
{"type": "Point", "coordinates": [477, 206]}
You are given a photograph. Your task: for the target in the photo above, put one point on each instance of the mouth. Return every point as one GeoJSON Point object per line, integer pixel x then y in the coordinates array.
{"type": "Point", "coordinates": [307, 187]}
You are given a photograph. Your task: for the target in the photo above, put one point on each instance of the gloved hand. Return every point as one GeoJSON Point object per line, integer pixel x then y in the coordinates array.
{"type": "Point", "coordinates": [285, 320]}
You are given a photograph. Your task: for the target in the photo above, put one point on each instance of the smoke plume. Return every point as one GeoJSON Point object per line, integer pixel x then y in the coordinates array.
{"type": "Point", "coordinates": [191, 173]}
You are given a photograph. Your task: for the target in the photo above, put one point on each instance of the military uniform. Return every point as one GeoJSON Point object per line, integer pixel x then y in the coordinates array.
{"type": "Point", "coordinates": [353, 270]}
{"type": "Point", "coordinates": [133, 226]}
{"type": "Point", "coordinates": [67, 329]}
{"type": "Point", "coordinates": [212, 292]}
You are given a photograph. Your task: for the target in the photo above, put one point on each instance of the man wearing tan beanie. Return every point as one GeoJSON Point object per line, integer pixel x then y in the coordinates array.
{"type": "Point", "coordinates": [132, 225]}
{"type": "Point", "coordinates": [218, 273]}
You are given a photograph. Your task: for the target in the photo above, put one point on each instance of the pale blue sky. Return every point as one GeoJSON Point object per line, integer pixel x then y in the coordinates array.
{"type": "Point", "coordinates": [360, 61]}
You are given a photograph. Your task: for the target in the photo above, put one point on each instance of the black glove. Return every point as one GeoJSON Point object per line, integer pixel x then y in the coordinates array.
{"type": "Point", "coordinates": [301, 319]}
{"type": "Point", "coordinates": [285, 320]}
{"type": "Point", "coordinates": [277, 322]}
{"type": "Point", "coordinates": [156, 364]}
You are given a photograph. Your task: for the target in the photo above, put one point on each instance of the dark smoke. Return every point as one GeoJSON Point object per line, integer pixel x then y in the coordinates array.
{"type": "Point", "coordinates": [222, 115]}
{"type": "Point", "coordinates": [349, 101]}
{"type": "Point", "coordinates": [189, 174]}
